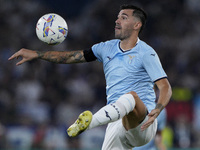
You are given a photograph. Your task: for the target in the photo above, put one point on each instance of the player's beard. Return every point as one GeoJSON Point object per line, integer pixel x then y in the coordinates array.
{"type": "Point", "coordinates": [122, 35]}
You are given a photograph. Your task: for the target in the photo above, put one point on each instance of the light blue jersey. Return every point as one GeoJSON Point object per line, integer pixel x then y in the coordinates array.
{"type": "Point", "coordinates": [162, 120]}
{"type": "Point", "coordinates": [134, 70]}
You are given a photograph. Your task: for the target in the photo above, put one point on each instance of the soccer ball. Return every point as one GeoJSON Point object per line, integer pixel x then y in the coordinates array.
{"type": "Point", "coordinates": [51, 29]}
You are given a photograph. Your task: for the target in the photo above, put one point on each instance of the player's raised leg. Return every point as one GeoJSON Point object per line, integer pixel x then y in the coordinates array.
{"type": "Point", "coordinates": [109, 113]}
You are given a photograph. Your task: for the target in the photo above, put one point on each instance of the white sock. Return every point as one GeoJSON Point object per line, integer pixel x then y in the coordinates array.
{"type": "Point", "coordinates": [114, 111]}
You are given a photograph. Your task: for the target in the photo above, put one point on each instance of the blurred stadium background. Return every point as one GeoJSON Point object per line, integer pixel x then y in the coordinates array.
{"type": "Point", "coordinates": [39, 100]}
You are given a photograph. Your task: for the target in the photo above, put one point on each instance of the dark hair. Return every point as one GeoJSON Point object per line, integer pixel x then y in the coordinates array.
{"type": "Point", "coordinates": [137, 12]}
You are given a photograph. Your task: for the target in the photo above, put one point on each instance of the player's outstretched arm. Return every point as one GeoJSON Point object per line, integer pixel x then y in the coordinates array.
{"type": "Point", "coordinates": [52, 56]}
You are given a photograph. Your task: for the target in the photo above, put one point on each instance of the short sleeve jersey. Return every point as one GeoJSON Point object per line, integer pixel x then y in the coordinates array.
{"type": "Point", "coordinates": [133, 70]}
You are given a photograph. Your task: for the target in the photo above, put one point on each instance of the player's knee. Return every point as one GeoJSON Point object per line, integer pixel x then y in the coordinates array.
{"type": "Point", "coordinates": [134, 94]}
{"type": "Point", "coordinates": [128, 101]}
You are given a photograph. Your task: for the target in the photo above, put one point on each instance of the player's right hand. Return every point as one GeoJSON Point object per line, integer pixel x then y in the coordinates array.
{"type": "Point", "coordinates": [26, 55]}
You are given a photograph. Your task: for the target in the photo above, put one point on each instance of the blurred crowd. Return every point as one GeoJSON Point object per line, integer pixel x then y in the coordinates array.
{"type": "Point", "coordinates": [39, 100]}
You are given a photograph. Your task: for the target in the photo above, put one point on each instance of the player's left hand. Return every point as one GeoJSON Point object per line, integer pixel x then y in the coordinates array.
{"type": "Point", "coordinates": [152, 116]}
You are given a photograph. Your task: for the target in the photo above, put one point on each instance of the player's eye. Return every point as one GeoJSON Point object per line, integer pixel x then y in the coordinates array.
{"type": "Point", "coordinates": [124, 17]}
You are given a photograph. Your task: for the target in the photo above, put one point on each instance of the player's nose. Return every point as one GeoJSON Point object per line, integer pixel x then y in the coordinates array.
{"type": "Point", "coordinates": [117, 21]}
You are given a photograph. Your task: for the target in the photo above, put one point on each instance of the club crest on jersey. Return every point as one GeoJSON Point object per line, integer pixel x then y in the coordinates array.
{"type": "Point", "coordinates": [130, 58]}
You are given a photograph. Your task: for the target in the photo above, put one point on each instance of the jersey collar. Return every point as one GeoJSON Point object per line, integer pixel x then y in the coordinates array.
{"type": "Point", "coordinates": [138, 40]}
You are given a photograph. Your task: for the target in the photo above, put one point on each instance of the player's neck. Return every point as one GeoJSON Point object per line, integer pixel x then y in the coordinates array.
{"type": "Point", "coordinates": [129, 43]}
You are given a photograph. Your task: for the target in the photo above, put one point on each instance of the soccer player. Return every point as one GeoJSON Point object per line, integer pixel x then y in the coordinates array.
{"type": "Point", "coordinates": [131, 69]}
{"type": "Point", "coordinates": [157, 142]}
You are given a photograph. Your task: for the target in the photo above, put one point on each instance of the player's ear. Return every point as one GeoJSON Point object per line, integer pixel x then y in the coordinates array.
{"type": "Point", "coordinates": [137, 25]}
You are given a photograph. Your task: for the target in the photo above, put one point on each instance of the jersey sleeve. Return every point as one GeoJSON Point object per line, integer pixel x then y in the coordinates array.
{"type": "Point", "coordinates": [153, 66]}
{"type": "Point", "coordinates": [97, 50]}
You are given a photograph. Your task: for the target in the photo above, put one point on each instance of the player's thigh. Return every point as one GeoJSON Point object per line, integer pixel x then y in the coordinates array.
{"type": "Point", "coordinates": [135, 117]}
